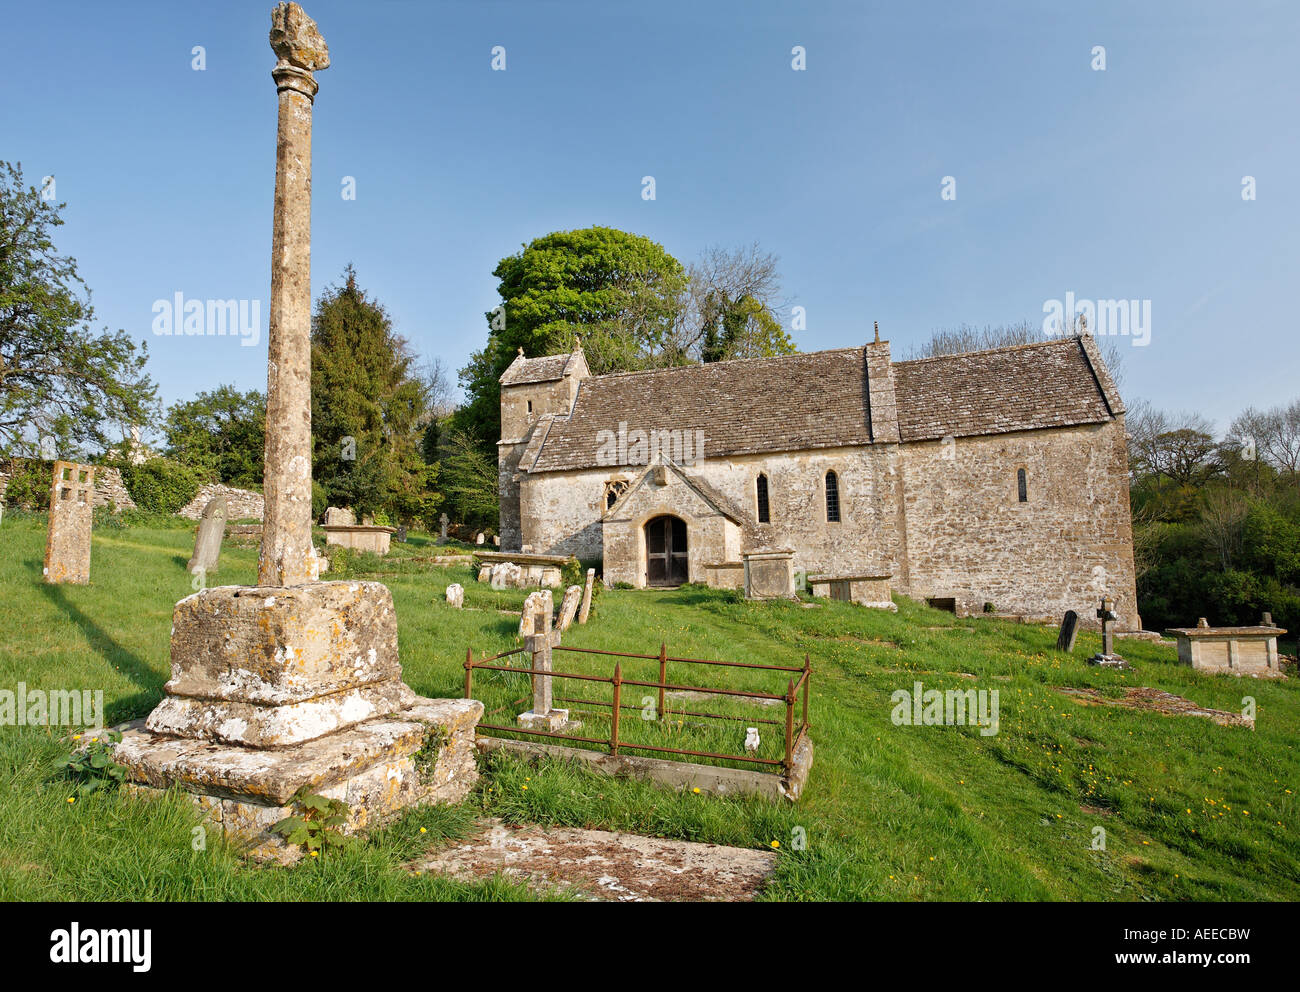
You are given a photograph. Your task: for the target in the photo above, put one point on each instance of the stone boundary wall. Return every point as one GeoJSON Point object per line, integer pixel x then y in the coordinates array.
{"type": "Point", "coordinates": [109, 489]}
{"type": "Point", "coordinates": [241, 504]}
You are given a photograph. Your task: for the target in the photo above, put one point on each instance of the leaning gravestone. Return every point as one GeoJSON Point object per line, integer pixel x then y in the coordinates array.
{"type": "Point", "coordinates": [569, 607]}
{"type": "Point", "coordinates": [586, 596]}
{"type": "Point", "coordinates": [207, 545]}
{"type": "Point", "coordinates": [1069, 631]}
{"type": "Point", "coordinates": [67, 544]}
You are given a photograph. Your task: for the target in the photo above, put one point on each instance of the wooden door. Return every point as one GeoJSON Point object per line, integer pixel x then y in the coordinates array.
{"type": "Point", "coordinates": [665, 551]}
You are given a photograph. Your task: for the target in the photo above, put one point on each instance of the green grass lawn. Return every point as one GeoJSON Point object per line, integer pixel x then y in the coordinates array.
{"type": "Point", "coordinates": [1191, 810]}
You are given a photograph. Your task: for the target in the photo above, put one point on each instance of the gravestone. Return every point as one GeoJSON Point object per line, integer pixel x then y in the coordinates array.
{"type": "Point", "coordinates": [1069, 631]}
{"type": "Point", "coordinates": [442, 526]}
{"type": "Point", "coordinates": [543, 716]}
{"type": "Point", "coordinates": [534, 604]}
{"type": "Point", "coordinates": [67, 542]}
{"type": "Point", "coordinates": [586, 596]}
{"type": "Point", "coordinates": [479, 538]}
{"type": "Point", "coordinates": [400, 536]}
{"type": "Point", "coordinates": [456, 595]}
{"type": "Point", "coordinates": [340, 516]}
{"type": "Point", "coordinates": [569, 607]}
{"type": "Point", "coordinates": [1107, 658]}
{"type": "Point", "coordinates": [207, 544]}
{"type": "Point", "coordinates": [496, 540]}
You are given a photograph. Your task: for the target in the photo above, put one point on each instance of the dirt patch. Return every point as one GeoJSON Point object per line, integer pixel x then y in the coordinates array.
{"type": "Point", "coordinates": [607, 867]}
{"type": "Point", "coordinates": [1156, 701]}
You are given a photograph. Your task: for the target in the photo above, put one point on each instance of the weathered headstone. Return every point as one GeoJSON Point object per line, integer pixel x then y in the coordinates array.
{"type": "Point", "coordinates": [535, 604]}
{"type": "Point", "coordinates": [207, 545]}
{"type": "Point", "coordinates": [506, 575]}
{"type": "Point", "coordinates": [400, 536]}
{"type": "Point", "coordinates": [456, 595]}
{"type": "Point", "coordinates": [479, 538]}
{"type": "Point", "coordinates": [67, 543]}
{"type": "Point", "coordinates": [340, 516]}
{"type": "Point", "coordinates": [1069, 632]}
{"type": "Point", "coordinates": [569, 607]}
{"type": "Point", "coordinates": [586, 596]}
{"type": "Point", "coordinates": [496, 540]}
{"type": "Point", "coordinates": [442, 525]}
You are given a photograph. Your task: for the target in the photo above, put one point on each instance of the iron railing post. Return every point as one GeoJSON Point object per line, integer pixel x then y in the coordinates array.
{"type": "Point", "coordinates": [789, 727]}
{"type": "Point", "coordinates": [663, 675]}
{"type": "Point", "coordinates": [618, 684]}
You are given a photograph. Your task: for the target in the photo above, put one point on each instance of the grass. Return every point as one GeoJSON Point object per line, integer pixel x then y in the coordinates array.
{"type": "Point", "coordinates": [1190, 810]}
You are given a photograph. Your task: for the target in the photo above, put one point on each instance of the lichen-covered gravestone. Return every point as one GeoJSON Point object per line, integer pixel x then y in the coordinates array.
{"type": "Point", "coordinates": [207, 545]}
{"type": "Point", "coordinates": [67, 542]}
{"type": "Point", "coordinates": [456, 595]}
{"type": "Point", "coordinates": [569, 607]}
{"type": "Point", "coordinates": [295, 684]}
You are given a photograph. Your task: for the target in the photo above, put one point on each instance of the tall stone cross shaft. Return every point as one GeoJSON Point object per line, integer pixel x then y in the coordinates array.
{"type": "Point", "coordinates": [287, 557]}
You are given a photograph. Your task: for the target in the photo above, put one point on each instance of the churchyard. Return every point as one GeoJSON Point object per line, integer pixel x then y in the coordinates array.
{"type": "Point", "coordinates": [893, 810]}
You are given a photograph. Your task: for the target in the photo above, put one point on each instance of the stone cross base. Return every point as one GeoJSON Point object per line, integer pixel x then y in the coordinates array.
{"type": "Point", "coordinates": [276, 688]}
{"type": "Point", "coordinates": [554, 721]}
{"type": "Point", "coordinates": [422, 754]}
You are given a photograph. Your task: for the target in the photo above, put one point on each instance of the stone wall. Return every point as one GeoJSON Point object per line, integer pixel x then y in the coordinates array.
{"type": "Point", "coordinates": [109, 489]}
{"type": "Point", "coordinates": [241, 503]}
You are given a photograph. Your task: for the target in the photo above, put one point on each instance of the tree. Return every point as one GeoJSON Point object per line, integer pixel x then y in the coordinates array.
{"type": "Point", "coordinates": [730, 309]}
{"type": "Point", "coordinates": [222, 434]}
{"type": "Point", "coordinates": [471, 481]}
{"type": "Point", "coordinates": [58, 379]}
{"type": "Point", "coordinates": [621, 292]}
{"type": "Point", "coordinates": [369, 409]}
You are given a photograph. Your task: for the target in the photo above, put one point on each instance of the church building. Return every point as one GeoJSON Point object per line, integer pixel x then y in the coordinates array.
{"type": "Point", "coordinates": [992, 480]}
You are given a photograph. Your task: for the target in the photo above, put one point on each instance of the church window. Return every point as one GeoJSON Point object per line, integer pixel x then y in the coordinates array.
{"type": "Point", "coordinates": [764, 514]}
{"type": "Point", "coordinates": [832, 498]}
{"type": "Point", "coordinates": [1022, 486]}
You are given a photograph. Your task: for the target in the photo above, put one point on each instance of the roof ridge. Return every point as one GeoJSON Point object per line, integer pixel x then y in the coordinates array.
{"type": "Point", "coordinates": [1049, 342]}
{"type": "Point", "coordinates": [729, 361]}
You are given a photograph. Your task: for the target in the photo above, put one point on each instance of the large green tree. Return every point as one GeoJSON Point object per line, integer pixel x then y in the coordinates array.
{"type": "Point", "coordinates": [59, 380]}
{"type": "Point", "coordinates": [621, 292]}
{"type": "Point", "coordinates": [369, 410]}
{"type": "Point", "coordinates": [221, 434]}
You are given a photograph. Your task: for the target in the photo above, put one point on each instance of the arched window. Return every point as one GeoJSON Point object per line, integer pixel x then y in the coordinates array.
{"type": "Point", "coordinates": [832, 498]}
{"type": "Point", "coordinates": [764, 512]}
{"type": "Point", "coordinates": [1022, 486]}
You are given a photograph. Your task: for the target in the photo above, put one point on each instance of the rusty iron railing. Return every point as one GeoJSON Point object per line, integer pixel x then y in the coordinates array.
{"type": "Point", "coordinates": [796, 694]}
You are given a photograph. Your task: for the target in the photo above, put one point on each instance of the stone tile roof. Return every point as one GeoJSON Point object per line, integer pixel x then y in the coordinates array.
{"type": "Point", "coordinates": [1024, 387]}
{"type": "Point", "coordinates": [548, 368]}
{"type": "Point", "coordinates": [819, 400]}
{"type": "Point", "coordinates": [787, 403]}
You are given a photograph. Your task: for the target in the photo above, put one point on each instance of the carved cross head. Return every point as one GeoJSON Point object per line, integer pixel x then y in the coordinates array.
{"type": "Point", "coordinates": [295, 40]}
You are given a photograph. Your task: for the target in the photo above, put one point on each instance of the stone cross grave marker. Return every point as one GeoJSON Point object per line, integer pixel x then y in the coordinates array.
{"type": "Point", "coordinates": [1107, 615]}
{"type": "Point", "coordinates": [585, 611]}
{"type": "Point", "coordinates": [442, 524]}
{"type": "Point", "coordinates": [67, 542]}
{"type": "Point", "coordinates": [543, 715]}
{"type": "Point", "coordinates": [207, 544]}
{"type": "Point", "coordinates": [1069, 631]}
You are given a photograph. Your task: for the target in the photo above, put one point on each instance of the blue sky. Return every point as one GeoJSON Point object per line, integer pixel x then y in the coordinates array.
{"type": "Point", "coordinates": [1122, 183]}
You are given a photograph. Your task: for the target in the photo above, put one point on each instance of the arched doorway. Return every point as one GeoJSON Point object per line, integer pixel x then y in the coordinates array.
{"type": "Point", "coordinates": [665, 551]}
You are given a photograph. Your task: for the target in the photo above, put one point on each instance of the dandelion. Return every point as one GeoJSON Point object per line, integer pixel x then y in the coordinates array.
{"type": "Point", "coordinates": [423, 830]}
{"type": "Point", "coordinates": [72, 799]}
{"type": "Point", "coordinates": [696, 790]}
{"type": "Point", "coordinates": [776, 844]}
{"type": "Point", "coordinates": [314, 854]}
{"type": "Point", "coordinates": [525, 788]}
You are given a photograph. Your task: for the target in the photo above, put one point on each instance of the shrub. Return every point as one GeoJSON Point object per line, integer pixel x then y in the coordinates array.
{"type": "Point", "coordinates": [29, 487]}
{"type": "Point", "coordinates": [160, 485]}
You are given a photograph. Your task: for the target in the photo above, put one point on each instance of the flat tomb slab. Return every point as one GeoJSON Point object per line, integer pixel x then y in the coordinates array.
{"type": "Point", "coordinates": [1155, 701]}
{"type": "Point", "coordinates": [607, 867]}
{"type": "Point", "coordinates": [271, 777]}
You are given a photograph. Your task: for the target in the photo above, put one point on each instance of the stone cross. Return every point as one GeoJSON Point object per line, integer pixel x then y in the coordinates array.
{"type": "Point", "coordinates": [1106, 614]}
{"type": "Point", "coordinates": [287, 557]}
{"type": "Point", "coordinates": [539, 644]}
{"type": "Point", "coordinates": [442, 523]}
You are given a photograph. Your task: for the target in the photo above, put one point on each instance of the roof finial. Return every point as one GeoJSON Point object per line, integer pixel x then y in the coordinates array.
{"type": "Point", "coordinates": [877, 323]}
{"type": "Point", "coordinates": [577, 342]}
{"type": "Point", "coordinates": [521, 351]}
